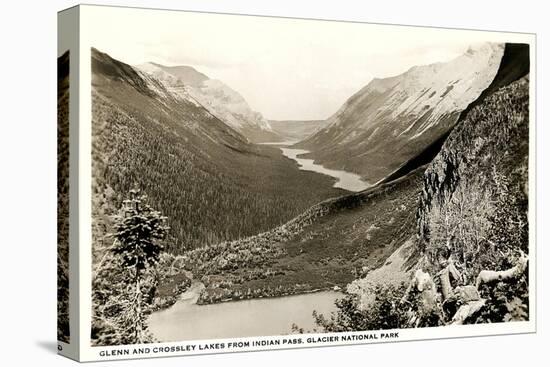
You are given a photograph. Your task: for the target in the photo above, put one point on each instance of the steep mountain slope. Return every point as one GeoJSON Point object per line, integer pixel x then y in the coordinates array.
{"type": "Point", "coordinates": [187, 74]}
{"type": "Point", "coordinates": [471, 223]}
{"type": "Point", "coordinates": [294, 130]}
{"type": "Point", "coordinates": [513, 66]}
{"type": "Point", "coordinates": [392, 120]}
{"type": "Point", "coordinates": [473, 212]}
{"type": "Point", "coordinates": [479, 182]}
{"type": "Point", "coordinates": [218, 98]}
{"type": "Point", "coordinates": [326, 246]}
{"type": "Point", "coordinates": [204, 176]}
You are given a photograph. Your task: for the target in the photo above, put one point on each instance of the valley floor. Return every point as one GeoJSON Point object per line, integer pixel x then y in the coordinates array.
{"type": "Point", "coordinates": [327, 247]}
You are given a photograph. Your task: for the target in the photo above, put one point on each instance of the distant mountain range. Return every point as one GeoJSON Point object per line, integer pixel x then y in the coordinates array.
{"type": "Point", "coordinates": [296, 130]}
{"type": "Point", "coordinates": [392, 120]}
{"type": "Point", "coordinates": [218, 98]}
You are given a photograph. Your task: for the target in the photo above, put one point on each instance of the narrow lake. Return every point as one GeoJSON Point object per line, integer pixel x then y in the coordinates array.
{"type": "Point", "coordinates": [346, 180]}
{"type": "Point", "coordinates": [186, 320]}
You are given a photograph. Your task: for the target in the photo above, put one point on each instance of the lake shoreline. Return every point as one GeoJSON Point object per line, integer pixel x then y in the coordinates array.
{"type": "Point", "coordinates": [287, 284]}
{"type": "Point", "coordinates": [345, 180]}
{"type": "Point", "coordinates": [166, 302]}
{"type": "Point", "coordinates": [187, 320]}
{"type": "Point", "coordinates": [282, 295]}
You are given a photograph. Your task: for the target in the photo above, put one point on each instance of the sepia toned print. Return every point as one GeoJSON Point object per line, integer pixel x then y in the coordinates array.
{"type": "Point", "coordinates": [63, 331]}
{"type": "Point", "coordinates": [244, 186]}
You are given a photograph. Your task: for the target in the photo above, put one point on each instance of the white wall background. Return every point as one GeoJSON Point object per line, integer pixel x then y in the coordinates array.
{"type": "Point", "coordinates": [28, 181]}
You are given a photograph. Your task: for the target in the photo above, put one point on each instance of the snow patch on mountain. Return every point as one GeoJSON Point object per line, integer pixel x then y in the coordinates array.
{"type": "Point", "coordinates": [228, 105]}
{"type": "Point", "coordinates": [372, 132]}
{"type": "Point", "coordinates": [218, 98]}
{"type": "Point", "coordinates": [439, 87]}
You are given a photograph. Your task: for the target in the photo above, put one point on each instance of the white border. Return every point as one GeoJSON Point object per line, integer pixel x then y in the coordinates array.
{"type": "Point", "coordinates": [379, 336]}
{"type": "Point", "coordinates": [85, 187]}
{"type": "Point", "coordinates": [88, 353]}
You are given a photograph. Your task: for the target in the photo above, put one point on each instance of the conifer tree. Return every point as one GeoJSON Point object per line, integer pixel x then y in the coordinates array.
{"type": "Point", "coordinates": [139, 231]}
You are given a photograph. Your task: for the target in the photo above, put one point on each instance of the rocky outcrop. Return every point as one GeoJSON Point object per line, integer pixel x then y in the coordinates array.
{"type": "Point", "coordinates": [394, 271]}
{"type": "Point", "coordinates": [470, 256]}
{"type": "Point", "coordinates": [472, 213]}
{"type": "Point", "coordinates": [443, 175]}
{"type": "Point", "coordinates": [486, 156]}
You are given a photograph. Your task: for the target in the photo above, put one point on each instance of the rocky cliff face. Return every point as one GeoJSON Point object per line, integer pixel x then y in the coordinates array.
{"type": "Point", "coordinates": [509, 86]}
{"type": "Point", "coordinates": [473, 212]}
{"type": "Point", "coordinates": [392, 120]}
{"type": "Point", "coordinates": [218, 98]}
{"type": "Point", "coordinates": [472, 216]}
{"type": "Point", "coordinates": [474, 200]}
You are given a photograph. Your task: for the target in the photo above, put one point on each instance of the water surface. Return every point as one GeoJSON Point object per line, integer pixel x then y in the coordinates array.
{"type": "Point", "coordinates": [346, 180]}
{"type": "Point", "coordinates": [186, 320]}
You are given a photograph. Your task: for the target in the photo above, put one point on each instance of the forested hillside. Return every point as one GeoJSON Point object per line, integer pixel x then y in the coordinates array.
{"type": "Point", "coordinates": [472, 225]}
{"type": "Point", "coordinates": [327, 246]}
{"type": "Point", "coordinates": [473, 211]}
{"type": "Point", "coordinates": [218, 98]}
{"type": "Point", "coordinates": [204, 176]}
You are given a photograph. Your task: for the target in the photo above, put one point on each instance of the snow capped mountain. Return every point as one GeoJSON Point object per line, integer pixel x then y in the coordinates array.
{"type": "Point", "coordinates": [391, 120]}
{"type": "Point", "coordinates": [150, 99]}
{"type": "Point", "coordinates": [186, 74]}
{"type": "Point", "coordinates": [228, 105]}
{"type": "Point", "coordinates": [218, 98]}
{"type": "Point", "coordinates": [154, 73]}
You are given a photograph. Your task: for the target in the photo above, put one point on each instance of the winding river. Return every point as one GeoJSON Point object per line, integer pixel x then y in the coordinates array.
{"type": "Point", "coordinates": [186, 320]}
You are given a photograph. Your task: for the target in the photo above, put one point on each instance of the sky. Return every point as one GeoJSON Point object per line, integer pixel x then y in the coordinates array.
{"type": "Point", "coordinates": [286, 69]}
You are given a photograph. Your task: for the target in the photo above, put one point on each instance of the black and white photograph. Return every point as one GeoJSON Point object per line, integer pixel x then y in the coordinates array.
{"type": "Point", "coordinates": [274, 183]}
{"type": "Point", "coordinates": [260, 176]}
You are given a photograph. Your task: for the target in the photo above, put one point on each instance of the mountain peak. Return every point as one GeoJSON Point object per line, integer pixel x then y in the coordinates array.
{"type": "Point", "coordinates": [214, 95]}
{"type": "Point", "coordinates": [484, 47]}
{"type": "Point", "coordinates": [187, 74]}
{"type": "Point", "coordinates": [418, 105]}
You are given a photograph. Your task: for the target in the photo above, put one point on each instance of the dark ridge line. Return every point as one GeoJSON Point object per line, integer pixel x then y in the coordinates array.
{"type": "Point", "coordinates": [514, 65]}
